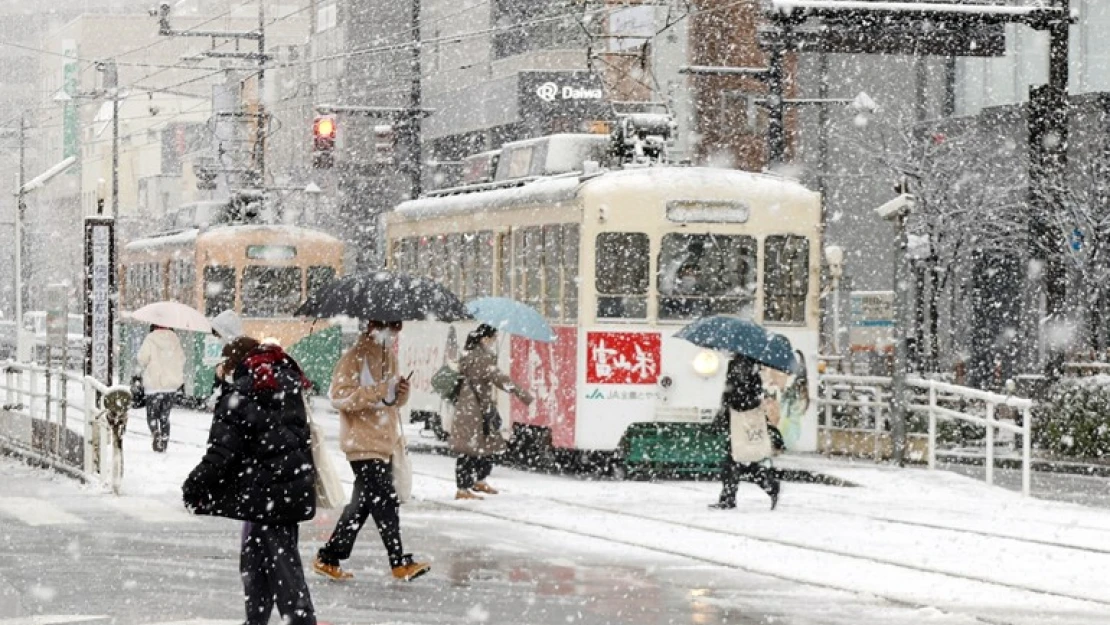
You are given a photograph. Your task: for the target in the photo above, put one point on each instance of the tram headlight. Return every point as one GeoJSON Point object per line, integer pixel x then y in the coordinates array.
{"type": "Point", "coordinates": [707, 363]}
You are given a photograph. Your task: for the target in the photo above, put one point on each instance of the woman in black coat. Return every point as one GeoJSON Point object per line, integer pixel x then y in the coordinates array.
{"type": "Point", "coordinates": [258, 469]}
{"type": "Point", "coordinates": [743, 394]}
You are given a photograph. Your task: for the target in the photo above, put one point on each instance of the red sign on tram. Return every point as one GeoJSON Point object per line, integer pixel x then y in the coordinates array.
{"type": "Point", "coordinates": [623, 357]}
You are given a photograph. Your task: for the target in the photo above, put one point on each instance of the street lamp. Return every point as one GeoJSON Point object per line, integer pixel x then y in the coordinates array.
{"type": "Point", "coordinates": [834, 256]}
{"type": "Point", "coordinates": [896, 211]}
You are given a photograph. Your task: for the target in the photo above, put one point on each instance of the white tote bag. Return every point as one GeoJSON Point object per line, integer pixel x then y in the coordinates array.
{"type": "Point", "coordinates": [402, 467]}
{"type": "Point", "coordinates": [748, 435]}
{"type": "Point", "coordinates": [329, 490]}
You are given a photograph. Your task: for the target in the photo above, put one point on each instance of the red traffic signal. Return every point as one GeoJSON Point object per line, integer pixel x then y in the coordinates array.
{"type": "Point", "coordinates": [323, 141]}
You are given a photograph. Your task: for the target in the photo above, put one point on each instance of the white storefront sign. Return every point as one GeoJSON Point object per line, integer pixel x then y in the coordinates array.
{"type": "Point", "coordinates": [551, 91]}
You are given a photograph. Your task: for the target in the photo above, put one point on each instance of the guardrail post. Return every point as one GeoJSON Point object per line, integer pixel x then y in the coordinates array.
{"type": "Point", "coordinates": [1026, 451]}
{"type": "Point", "coordinates": [932, 426]}
{"type": "Point", "coordinates": [33, 381]}
{"type": "Point", "coordinates": [63, 398]}
{"type": "Point", "coordinates": [990, 443]}
{"type": "Point", "coordinates": [828, 404]}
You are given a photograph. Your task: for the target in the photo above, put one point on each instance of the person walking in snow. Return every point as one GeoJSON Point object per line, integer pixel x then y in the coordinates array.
{"type": "Point", "coordinates": [749, 441]}
{"type": "Point", "coordinates": [258, 468]}
{"type": "Point", "coordinates": [476, 429]}
{"type": "Point", "coordinates": [367, 391]}
{"type": "Point", "coordinates": [161, 362]}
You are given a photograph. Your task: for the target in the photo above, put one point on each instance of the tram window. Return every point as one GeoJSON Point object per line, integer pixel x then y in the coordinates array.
{"type": "Point", "coordinates": [505, 268]}
{"type": "Point", "coordinates": [533, 262]}
{"type": "Point", "coordinates": [705, 274]}
{"type": "Point", "coordinates": [271, 291]}
{"type": "Point", "coordinates": [410, 247]}
{"type": "Point", "coordinates": [570, 272]}
{"type": "Point", "coordinates": [317, 277]}
{"type": "Point", "coordinates": [483, 283]}
{"type": "Point", "coordinates": [622, 269]}
{"type": "Point", "coordinates": [453, 262]}
{"type": "Point", "coordinates": [785, 279]}
{"type": "Point", "coordinates": [423, 250]}
{"type": "Point", "coordinates": [553, 272]}
{"type": "Point", "coordinates": [467, 259]}
{"type": "Point", "coordinates": [219, 290]}
{"type": "Point", "coordinates": [520, 271]}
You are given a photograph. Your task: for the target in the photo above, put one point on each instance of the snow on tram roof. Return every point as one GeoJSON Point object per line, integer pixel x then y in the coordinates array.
{"type": "Point", "coordinates": [305, 235]}
{"type": "Point", "coordinates": [566, 188]}
{"type": "Point", "coordinates": [188, 237]}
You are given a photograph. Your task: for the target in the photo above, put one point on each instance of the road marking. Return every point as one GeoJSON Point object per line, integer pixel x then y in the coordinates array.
{"type": "Point", "coordinates": [36, 512]}
{"type": "Point", "coordinates": [55, 619]}
{"type": "Point", "coordinates": [150, 510]}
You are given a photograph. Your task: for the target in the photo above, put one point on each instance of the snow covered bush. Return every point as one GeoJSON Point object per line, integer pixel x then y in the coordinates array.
{"type": "Point", "coordinates": [1075, 421]}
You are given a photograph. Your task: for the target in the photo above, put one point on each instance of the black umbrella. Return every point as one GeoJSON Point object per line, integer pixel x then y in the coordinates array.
{"type": "Point", "coordinates": [384, 296]}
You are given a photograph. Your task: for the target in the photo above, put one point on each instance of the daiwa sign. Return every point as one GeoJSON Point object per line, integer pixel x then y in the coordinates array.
{"type": "Point", "coordinates": [552, 91]}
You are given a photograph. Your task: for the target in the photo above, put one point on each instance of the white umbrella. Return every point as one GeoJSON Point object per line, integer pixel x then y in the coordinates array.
{"type": "Point", "coordinates": [173, 315]}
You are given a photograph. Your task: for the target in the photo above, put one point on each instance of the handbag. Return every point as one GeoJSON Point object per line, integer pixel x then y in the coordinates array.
{"type": "Point", "coordinates": [329, 490]}
{"type": "Point", "coordinates": [402, 468]}
{"type": "Point", "coordinates": [748, 435]}
{"type": "Point", "coordinates": [138, 392]}
{"type": "Point", "coordinates": [491, 417]}
{"type": "Point", "coordinates": [447, 383]}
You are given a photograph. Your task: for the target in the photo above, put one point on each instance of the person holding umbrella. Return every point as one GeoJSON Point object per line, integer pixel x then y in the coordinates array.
{"type": "Point", "coordinates": [367, 391]}
{"type": "Point", "coordinates": [161, 363]}
{"type": "Point", "coordinates": [748, 436]}
{"type": "Point", "coordinates": [476, 431]}
{"type": "Point", "coordinates": [752, 347]}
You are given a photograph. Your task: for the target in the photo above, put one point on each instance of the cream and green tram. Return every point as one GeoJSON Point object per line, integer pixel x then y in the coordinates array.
{"type": "Point", "coordinates": [617, 262]}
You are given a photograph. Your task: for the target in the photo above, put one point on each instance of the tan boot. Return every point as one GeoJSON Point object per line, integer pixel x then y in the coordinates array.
{"type": "Point", "coordinates": [330, 571]}
{"type": "Point", "coordinates": [410, 571]}
{"type": "Point", "coordinates": [482, 487]}
{"type": "Point", "coordinates": [465, 494]}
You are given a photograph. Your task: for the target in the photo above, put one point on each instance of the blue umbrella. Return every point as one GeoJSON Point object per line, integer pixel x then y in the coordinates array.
{"type": "Point", "coordinates": [513, 317]}
{"type": "Point", "coordinates": [740, 336]}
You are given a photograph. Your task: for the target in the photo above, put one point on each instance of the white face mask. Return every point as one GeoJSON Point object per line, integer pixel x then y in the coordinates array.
{"type": "Point", "coordinates": [384, 337]}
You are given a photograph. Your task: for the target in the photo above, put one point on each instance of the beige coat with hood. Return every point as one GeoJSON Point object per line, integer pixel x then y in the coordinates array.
{"type": "Point", "coordinates": [364, 391]}
{"type": "Point", "coordinates": [478, 367]}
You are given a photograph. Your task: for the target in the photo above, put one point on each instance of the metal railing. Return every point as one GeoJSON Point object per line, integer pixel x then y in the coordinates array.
{"type": "Point", "coordinates": [64, 419]}
{"type": "Point", "coordinates": [868, 398]}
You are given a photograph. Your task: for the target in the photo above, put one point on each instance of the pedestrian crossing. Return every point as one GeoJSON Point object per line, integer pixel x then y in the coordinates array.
{"type": "Point", "coordinates": [39, 512]}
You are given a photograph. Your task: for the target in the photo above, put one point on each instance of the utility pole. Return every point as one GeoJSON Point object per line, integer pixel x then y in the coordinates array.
{"type": "Point", "coordinates": [20, 214]}
{"type": "Point", "coordinates": [413, 120]}
{"type": "Point", "coordinates": [166, 30]}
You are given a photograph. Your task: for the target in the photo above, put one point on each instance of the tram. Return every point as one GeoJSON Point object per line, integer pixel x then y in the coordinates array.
{"type": "Point", "coordinates": [617, 260]}
{"type": "Point", "coordinates": [262, 272]}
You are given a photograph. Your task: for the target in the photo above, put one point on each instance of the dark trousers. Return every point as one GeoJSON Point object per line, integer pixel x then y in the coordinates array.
{"type": "Point", "coordinates": [272, 573]}
{"type": "Point", "coordinates": [373, 494]}
{"type": "Point", "coordinates": [158, 406]}
{"type": "Point", "coordinates": [469, 470]}
{"type": "Point", "coordinates": [733, 472]}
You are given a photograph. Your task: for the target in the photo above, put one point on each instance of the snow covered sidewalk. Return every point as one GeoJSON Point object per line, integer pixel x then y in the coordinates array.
{"type": "Point", "coordinates": [931, 539]}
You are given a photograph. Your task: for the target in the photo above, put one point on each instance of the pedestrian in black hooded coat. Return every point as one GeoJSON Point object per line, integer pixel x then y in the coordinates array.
{"type": "Point", "coordinates": [258, 469]}
{"type": "Point", "coordinates": [743, 395]}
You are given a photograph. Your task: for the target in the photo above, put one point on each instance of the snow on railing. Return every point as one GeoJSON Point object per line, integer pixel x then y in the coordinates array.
{"type": "Point", "coordinates": [63, 419]}
{"type": "Point", "coordinates": [855, 387]}
{"type": "Point", "coordinates": [938, 8]}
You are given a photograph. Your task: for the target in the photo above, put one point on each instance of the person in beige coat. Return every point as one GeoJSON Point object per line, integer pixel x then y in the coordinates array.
{"type": "Point", "coordinates": [367, 391]}
{"type": "Point", "coordinates": [476, 430]}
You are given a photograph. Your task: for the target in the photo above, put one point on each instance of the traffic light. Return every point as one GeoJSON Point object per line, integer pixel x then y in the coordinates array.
{"type": "Point", "coordinates": [385, 141]}
{"type": "Point", "coordinates": [323, 142]}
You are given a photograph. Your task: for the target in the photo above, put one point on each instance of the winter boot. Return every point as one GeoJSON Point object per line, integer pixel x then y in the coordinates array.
{"type": "Point", "coordinates": [723, 505]}
{"type": "Point", "coordinates": [331, 571]}
{"type": "Point", "coordinates": [774, 494]}
{"type": "Point", "coordinates": [462, 493]}
{"type": "Point", "coordinates": [482, 487]}
{"type": "Point", "coordinates": [409, 570]}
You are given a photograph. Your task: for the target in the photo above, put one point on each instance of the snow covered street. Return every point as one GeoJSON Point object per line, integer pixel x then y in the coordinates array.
{"type": "Point", "coordinates": [902, 547]}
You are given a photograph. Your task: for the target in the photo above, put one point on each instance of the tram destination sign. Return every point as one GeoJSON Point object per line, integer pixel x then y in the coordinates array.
{"type": "Point", "coordinates": [100, 282]}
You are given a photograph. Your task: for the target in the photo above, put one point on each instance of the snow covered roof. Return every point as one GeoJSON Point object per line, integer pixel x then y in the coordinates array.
{"type": "Point", "coordinates": [277, 232]}
{"type": "Point", "coordinates": [185, 237]}
{"type": "Point", "coordinates": [565, 189]}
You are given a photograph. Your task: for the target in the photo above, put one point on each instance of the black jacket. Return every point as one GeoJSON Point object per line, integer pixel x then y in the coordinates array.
{"type": "Point", "coordinates": [258, 466]}
{"type": "Point", "coordinates": [743, 385]}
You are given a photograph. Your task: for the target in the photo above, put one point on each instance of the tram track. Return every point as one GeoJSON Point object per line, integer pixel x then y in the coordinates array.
{"type": "Point", "coordinates": [785, 543]}
{"type": "Point", "coordinates": [941, 527]}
